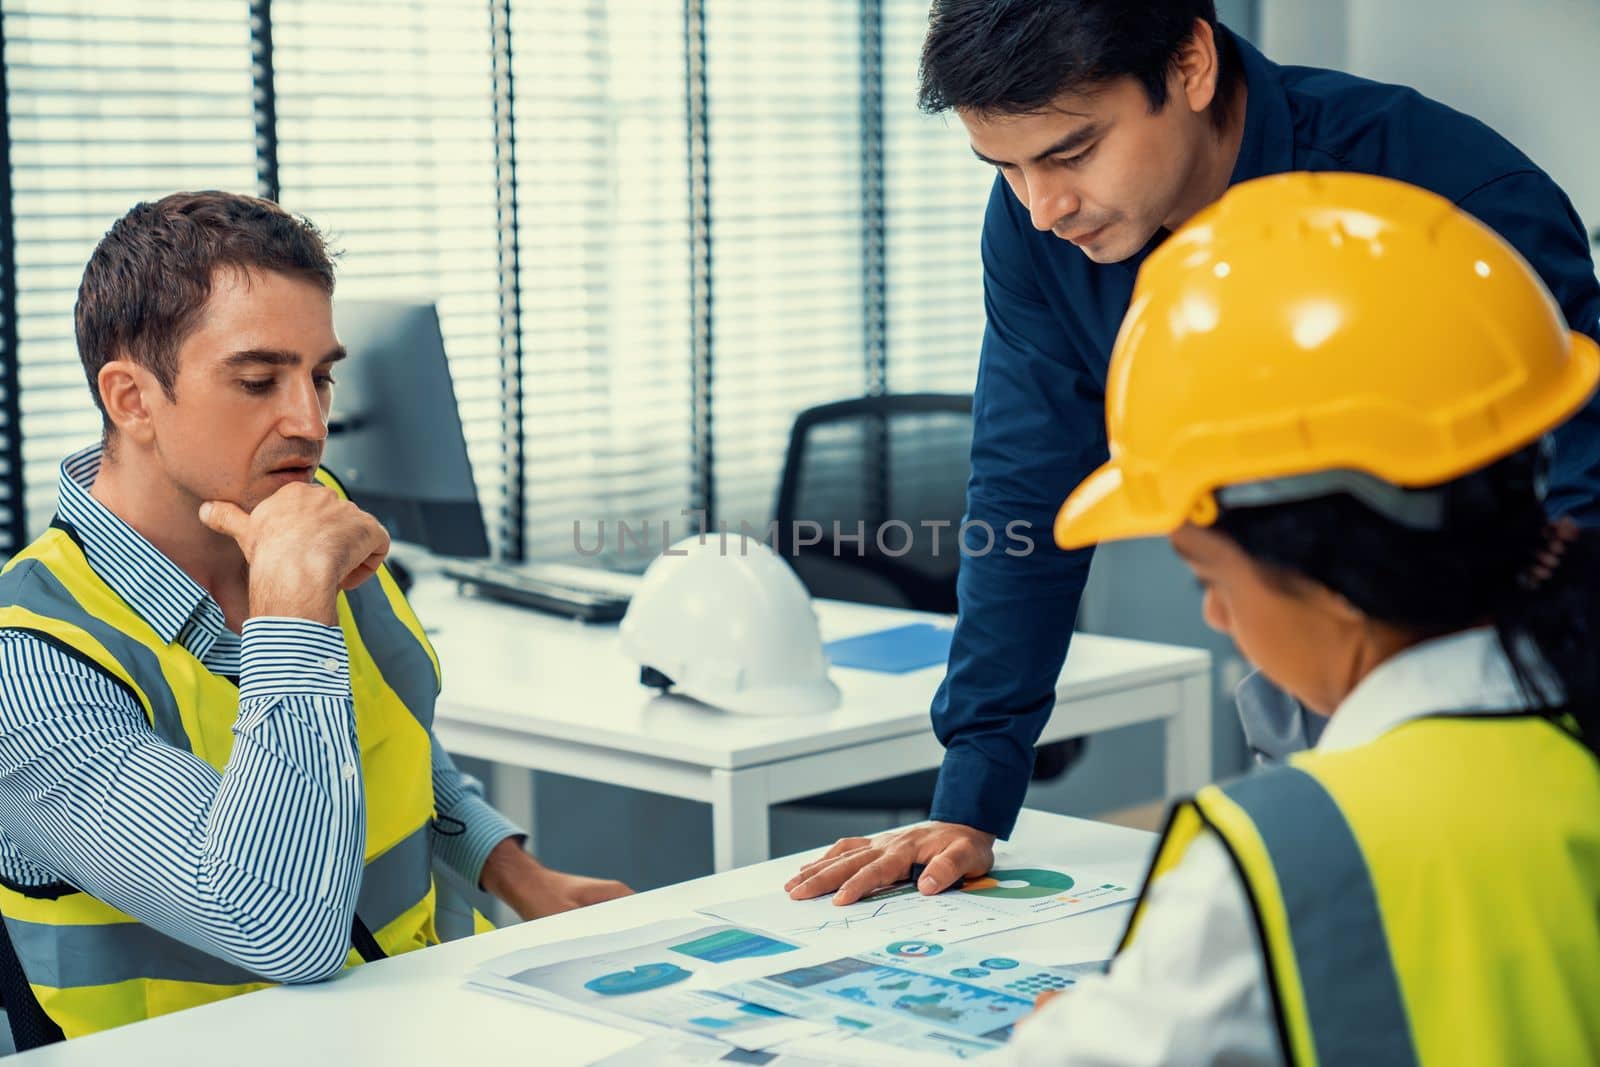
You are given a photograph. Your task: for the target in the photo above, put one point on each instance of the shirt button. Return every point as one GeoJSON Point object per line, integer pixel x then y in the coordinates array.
{"type": "Point", "coordinates": [348, 770]}
{"type": "Point", "coordinates": [330, 665]}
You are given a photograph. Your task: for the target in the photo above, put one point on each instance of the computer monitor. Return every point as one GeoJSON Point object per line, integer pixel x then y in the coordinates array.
{"type": "Point", "coordinates": [395, 437]}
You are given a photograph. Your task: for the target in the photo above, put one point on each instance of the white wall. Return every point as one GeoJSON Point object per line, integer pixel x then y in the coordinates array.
{"type": "Point", "coordinates": [1530, 70]}
{"type": "Point", "coordinates": [1306, 32]}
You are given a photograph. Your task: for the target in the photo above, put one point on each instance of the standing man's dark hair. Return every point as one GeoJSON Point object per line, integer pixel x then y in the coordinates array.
{"type": "Point", "coordinates": [997, 57]}
{"type": "Point", "coordinates": [149, 279]}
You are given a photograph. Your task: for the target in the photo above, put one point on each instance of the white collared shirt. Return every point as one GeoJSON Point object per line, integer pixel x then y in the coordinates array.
{"type": "Point", "coordinates": [1191, 989]}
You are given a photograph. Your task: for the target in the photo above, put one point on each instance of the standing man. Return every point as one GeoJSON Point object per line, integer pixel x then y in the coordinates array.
{"type": "Point", "coordinates": [1110, 124]}
{"type": "Point", "coordinates": [217, 767]}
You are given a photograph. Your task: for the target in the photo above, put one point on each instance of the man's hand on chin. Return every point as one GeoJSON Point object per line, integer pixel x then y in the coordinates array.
{"type": "Point", "coordinates": [303, 544]}
{"type": "Point", "coordinates": [855, 866]}
{"type": "Point", "coordinates": [533, 890]}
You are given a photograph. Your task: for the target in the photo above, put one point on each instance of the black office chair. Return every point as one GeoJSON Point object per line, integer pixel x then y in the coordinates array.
{"type": "Point", "coordinates": [864, 464]}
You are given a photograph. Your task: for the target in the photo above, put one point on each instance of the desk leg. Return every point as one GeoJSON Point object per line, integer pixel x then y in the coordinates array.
{"type": "Point", "coordinates": [1188, 756]}
{"type": "Point", "coordinates": [740, 813]}
{"type": "Point", "coordinates": [511, 792]}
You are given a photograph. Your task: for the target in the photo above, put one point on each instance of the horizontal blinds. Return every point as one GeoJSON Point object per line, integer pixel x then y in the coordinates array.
{"type": "Point", "coordinates": [10, 421]}
{"type": "Point", "coordinates": [386, 140]}
{"type": "Point", "coordinates": [935, 194]}
{"type": "Point", "coordinates": [385, 122]}
{"type": "Point", "coordinates": [603, 216]}
{"type": "Point", "coordinates": [109, 105]}
{"type": "Point", "coordinates": [784, 103]}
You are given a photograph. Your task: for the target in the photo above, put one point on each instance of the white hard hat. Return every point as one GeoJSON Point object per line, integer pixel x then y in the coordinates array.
{"type": "Point", "coordinates": [724, 620]}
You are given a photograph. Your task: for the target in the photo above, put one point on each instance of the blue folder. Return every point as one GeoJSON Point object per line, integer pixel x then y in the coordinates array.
{"type": "Point", "coordinates": [896, 651]}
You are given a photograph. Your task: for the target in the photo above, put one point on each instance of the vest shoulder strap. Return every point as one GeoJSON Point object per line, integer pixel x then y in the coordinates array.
{"type": "Point", "coordinates": [1317, 914]}
{"type": "Point", "coordinates": [1183, 825]}
{"type": "Point", "coordinates": [327, 478]}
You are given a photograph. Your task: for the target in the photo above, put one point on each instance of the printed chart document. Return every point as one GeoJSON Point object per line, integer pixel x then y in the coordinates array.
{"type": "Point", "coordinates": [655, 978]}
{"type": "Point", "coordinates": [772, 980]}
{"type": "Point", "coordinates": [918, 996]}
{"type": "Point", "coordinates": [1004, 899]}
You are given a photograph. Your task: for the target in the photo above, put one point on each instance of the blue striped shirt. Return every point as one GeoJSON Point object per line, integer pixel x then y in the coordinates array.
{"type": "Point", "coordinates": [259, 865]}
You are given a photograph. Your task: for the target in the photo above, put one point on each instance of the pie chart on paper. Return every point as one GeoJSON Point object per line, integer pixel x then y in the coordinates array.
{"type": "Point", "coordinates": [641, 979]}
{"type": "Point", "coordinates": [1020, 883]}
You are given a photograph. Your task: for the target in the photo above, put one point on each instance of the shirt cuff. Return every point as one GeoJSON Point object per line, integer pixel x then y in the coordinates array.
{"type": "Point", "coordinates": [292, 657]}
{"type": "Point", "coordinates": [464, 836]}
{"type": "Point", "coordinates": [979, 791]}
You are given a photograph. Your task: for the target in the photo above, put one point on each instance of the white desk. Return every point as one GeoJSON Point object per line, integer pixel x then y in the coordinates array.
{"type": "Point", "coordinates": [414, 1009]}
{"type": "Point", "coordinates": [527, 690]}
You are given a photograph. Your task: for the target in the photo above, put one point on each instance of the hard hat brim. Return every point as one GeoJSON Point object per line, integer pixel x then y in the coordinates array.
{"type": "Point", "coordinates": [1100, 508]}
{"type": "Point", "coordinates": [817, 698]}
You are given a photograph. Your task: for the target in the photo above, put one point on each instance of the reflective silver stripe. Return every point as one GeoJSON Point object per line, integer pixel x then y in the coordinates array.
{"type": "Point", "coordinates": [1352, 994]}
{"type": "Point", "coordinates": [396, 880]}
{"type": "Point", "coordinates": [394, 648]}
{"type": "Point", "coordinates": [70, 955]}
{"type": "Point", "coordinates": [32, 585]}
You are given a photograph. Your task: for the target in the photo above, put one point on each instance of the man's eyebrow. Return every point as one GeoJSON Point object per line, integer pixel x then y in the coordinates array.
{"type": "Point", "coordinates": [1072, 140]}
{"type": "Point", "coordinates": [277, 357]}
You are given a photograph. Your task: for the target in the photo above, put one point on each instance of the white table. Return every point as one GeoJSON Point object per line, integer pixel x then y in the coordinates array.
{"type": "Point", "coordinates": [414, 1009]}
{"type": "Point", "coordinates": [531, 691]}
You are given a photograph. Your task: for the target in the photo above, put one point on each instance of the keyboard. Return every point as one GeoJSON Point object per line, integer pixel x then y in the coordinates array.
{"type": "Point", "coordinates": [561, 589]}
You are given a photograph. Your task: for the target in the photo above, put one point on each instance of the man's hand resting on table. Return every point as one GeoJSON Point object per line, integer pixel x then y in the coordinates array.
{"type": "Point", "coordinates": [855, 866]}
{"type": "Point", "coordinates": [533, 890]}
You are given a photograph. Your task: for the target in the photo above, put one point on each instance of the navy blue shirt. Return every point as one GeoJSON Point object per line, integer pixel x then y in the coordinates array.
{"type": "Point", "coordinates": [1038, 410]}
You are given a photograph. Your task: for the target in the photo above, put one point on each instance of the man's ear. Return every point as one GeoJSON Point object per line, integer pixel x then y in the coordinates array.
{"type": "Point", "coordinates": [128, 390]}
{"type": "Point", "coordinates": [1197, 67]}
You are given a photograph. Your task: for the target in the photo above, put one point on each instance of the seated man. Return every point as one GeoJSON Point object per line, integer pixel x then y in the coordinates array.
{"type": "Point", "coordinates": [217, 767]}
{"type": "Point", "coordinates": [1371, 530]}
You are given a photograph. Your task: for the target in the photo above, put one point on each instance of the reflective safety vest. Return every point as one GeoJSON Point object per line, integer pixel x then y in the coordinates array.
{"type": "Point", "coordinates": [1431, 897]}
{"type": "Point", "coordinates": [92, 966]}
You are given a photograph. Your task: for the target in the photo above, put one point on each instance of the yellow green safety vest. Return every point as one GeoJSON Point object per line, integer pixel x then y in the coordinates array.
{"type": "Point", "coordinates": [92, 966]}
{"type": "Point", "coordinates": [1432, 897]}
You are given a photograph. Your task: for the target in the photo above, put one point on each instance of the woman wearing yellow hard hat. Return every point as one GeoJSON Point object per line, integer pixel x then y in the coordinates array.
{"type": "Point", "coordinates": [1330, 392]}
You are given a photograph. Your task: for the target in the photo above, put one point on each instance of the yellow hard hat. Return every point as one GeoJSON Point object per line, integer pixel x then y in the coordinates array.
{"type": "Point", "coordinates": [1312, 332]}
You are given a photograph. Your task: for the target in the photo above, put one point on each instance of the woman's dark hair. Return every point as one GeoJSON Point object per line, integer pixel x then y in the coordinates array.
{"type": "Point", "coordinates": [1471, 572]}
{"type": "Point", "coordinates": [1015, 57]}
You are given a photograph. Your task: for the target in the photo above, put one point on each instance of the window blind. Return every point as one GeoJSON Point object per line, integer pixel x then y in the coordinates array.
{"type": "Point", "coordinates": [396, 129]}
{"type": "Point", "coordinates": [386, 140]}
{"type": "Point", "coordinates": [783, 84]}
{"type": "Point", "coordinates": [11, 532]}
{"type": "Point", "coordinates": [603, 212]}
{"type": "Point", "coordinates": [935, 194]}
{"type": "Point", "coordinates": [108, 105]}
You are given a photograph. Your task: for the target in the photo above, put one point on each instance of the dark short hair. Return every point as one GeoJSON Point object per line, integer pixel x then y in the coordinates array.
{"type": "Point", "coordinates": [1477, 568]}
{"type": "Point", "coordinates": [150, 277]}
{"type": "Point", "coordinates": [1014, 57]}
